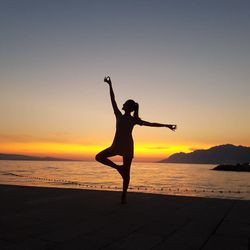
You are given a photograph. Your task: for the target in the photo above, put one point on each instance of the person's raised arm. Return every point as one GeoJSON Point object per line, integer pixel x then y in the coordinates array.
{"type": "Point", "coordinates": [112, 96]}
{"type": "Point", "coordinates": [155, 124]}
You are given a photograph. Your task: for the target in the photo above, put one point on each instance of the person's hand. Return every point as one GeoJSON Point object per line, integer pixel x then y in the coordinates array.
{"type": "Point", "coordinates": [172, 127]}
{"type": "Point", "coordinates": [107, 79]}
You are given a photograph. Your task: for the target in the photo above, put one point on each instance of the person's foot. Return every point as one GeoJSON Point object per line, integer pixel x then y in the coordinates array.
{"type": "Point", "coordinates": [124, 200]}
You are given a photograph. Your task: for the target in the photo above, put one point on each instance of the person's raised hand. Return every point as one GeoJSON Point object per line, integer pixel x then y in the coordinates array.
{"type": "Point", "coordinates": [172, 127]}
{"type": "Point", "coordinates": [107, 79]}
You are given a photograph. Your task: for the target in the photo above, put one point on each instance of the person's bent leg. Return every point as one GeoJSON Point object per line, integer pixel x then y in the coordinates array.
{"type": "Point", "coordinates": [102, 157]}
{"type": "Point", "coordinates": [126, 178]}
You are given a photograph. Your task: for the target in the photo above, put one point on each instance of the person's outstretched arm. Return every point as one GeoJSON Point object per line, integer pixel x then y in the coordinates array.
{"type": "Point", "coordinates": [112, 96]}
{"type": "Point", "coordinates": [155, 124]}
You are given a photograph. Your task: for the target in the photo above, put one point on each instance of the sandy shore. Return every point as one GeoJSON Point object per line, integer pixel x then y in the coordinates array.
{"type": "Point", "coordinates": [53, 218]}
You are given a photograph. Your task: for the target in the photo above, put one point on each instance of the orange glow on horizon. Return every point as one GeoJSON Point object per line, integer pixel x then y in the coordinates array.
{"type": "Point", "coordinates": [143, 152]}
{"type": "Point", "coordinates": [63, 150]}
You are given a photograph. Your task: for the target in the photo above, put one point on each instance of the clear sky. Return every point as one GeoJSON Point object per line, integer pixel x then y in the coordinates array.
{"type": "Point", "coordinates": [185, 62]}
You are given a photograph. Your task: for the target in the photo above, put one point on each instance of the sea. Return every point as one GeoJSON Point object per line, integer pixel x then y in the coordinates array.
{"type": "Point", "coordinates": [159, 178]}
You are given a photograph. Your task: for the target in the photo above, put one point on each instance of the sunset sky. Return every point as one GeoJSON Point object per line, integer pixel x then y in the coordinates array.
{"type": "Point", "coordinates": [184, 62]}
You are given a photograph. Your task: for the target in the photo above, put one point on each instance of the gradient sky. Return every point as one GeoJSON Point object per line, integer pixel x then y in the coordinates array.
{"type": "Point", "coordinates": [185, 62]}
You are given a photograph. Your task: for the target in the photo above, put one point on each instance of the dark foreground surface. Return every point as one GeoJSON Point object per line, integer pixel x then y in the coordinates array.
{"type": "Point", "coordinates": [50, 218]}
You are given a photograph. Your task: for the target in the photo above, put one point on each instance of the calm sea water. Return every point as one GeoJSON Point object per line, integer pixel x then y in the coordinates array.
{"type": "Point", "coordinates": [160, 178]}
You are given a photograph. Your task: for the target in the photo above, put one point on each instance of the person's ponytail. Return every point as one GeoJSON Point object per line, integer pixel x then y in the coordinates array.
{"type": "Point", "coordinates": [136, 111]}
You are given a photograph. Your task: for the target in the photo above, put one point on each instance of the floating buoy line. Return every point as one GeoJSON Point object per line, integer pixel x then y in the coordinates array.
{"type": "Point", "coordinates": [133, 188]}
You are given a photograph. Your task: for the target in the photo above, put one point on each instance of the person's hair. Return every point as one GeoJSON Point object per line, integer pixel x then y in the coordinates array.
{"type": "Point", "coordinates": [134, 107]}
{"type": "Point", "coordinates": [136, 111]}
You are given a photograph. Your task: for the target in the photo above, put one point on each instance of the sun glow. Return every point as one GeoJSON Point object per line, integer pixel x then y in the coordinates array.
{"type": "Point", "coordinates": [143, 152]}
{"type": "Point", "coordinates": [72, 151]}
{"type": "Point", "coordinates": [158, 151]}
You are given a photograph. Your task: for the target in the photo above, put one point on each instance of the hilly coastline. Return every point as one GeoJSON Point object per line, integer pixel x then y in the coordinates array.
{"type": "Point", "coordinates": [222, 154]}
{"type": "Point", "coordinates": [29, 158]}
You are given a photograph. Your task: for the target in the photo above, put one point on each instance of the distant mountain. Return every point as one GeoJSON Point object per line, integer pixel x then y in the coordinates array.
{"type": "Point", "coordinates": [222, 154]}
{"type": "Point", "coordinates": [29, 158]}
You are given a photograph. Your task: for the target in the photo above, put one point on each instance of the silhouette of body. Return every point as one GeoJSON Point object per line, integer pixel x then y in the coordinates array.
{"type": "Point", "coordinates": [123, 141]}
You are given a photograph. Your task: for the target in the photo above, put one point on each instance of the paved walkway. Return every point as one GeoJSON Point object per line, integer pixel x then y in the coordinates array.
{"type": "Point", "coordinates": [46, 218]}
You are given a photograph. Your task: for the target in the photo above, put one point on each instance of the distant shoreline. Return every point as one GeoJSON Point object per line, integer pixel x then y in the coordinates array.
{"type": "Point", "coordinates": [71, 160]}
{"type": "Point", "coordinates": [221, 154]}
{"type": "Point", "coordinates": [17, 157]}
{"type": "Point", "coordinates": [37, 160]}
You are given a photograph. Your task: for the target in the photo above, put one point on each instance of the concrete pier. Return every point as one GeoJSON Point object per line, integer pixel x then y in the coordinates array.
{"type": "Point", "coordinates": [53, 218]}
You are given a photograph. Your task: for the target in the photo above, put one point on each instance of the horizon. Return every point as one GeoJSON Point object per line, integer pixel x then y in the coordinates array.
{"type": "Point", "coordinates": [118, 158]}
{"type": "Point", "coordinates": [185, 63]}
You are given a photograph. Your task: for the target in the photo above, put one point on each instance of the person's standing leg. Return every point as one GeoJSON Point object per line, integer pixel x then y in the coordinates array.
{"type": "Point", "coordinates": [126, 177]}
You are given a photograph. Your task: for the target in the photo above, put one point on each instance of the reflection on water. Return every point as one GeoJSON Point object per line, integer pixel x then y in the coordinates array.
{"type": "Point", "coordinates": [163, 178]}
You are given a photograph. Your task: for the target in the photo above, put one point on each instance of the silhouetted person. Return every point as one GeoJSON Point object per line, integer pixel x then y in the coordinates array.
{"type": "Point", "coordinates": [123, 142]}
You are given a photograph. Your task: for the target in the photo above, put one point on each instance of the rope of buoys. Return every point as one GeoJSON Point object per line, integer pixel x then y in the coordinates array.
{"type": "Point", "coordinates": [101, 186]}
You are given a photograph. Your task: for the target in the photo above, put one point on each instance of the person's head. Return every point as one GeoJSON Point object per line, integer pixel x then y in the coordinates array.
{"type": "Point", "coordinates": [131, 106]}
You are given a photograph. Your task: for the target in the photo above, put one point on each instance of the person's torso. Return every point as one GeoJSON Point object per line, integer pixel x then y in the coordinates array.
{"type": "Point", "coordinates": [124, 128]}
